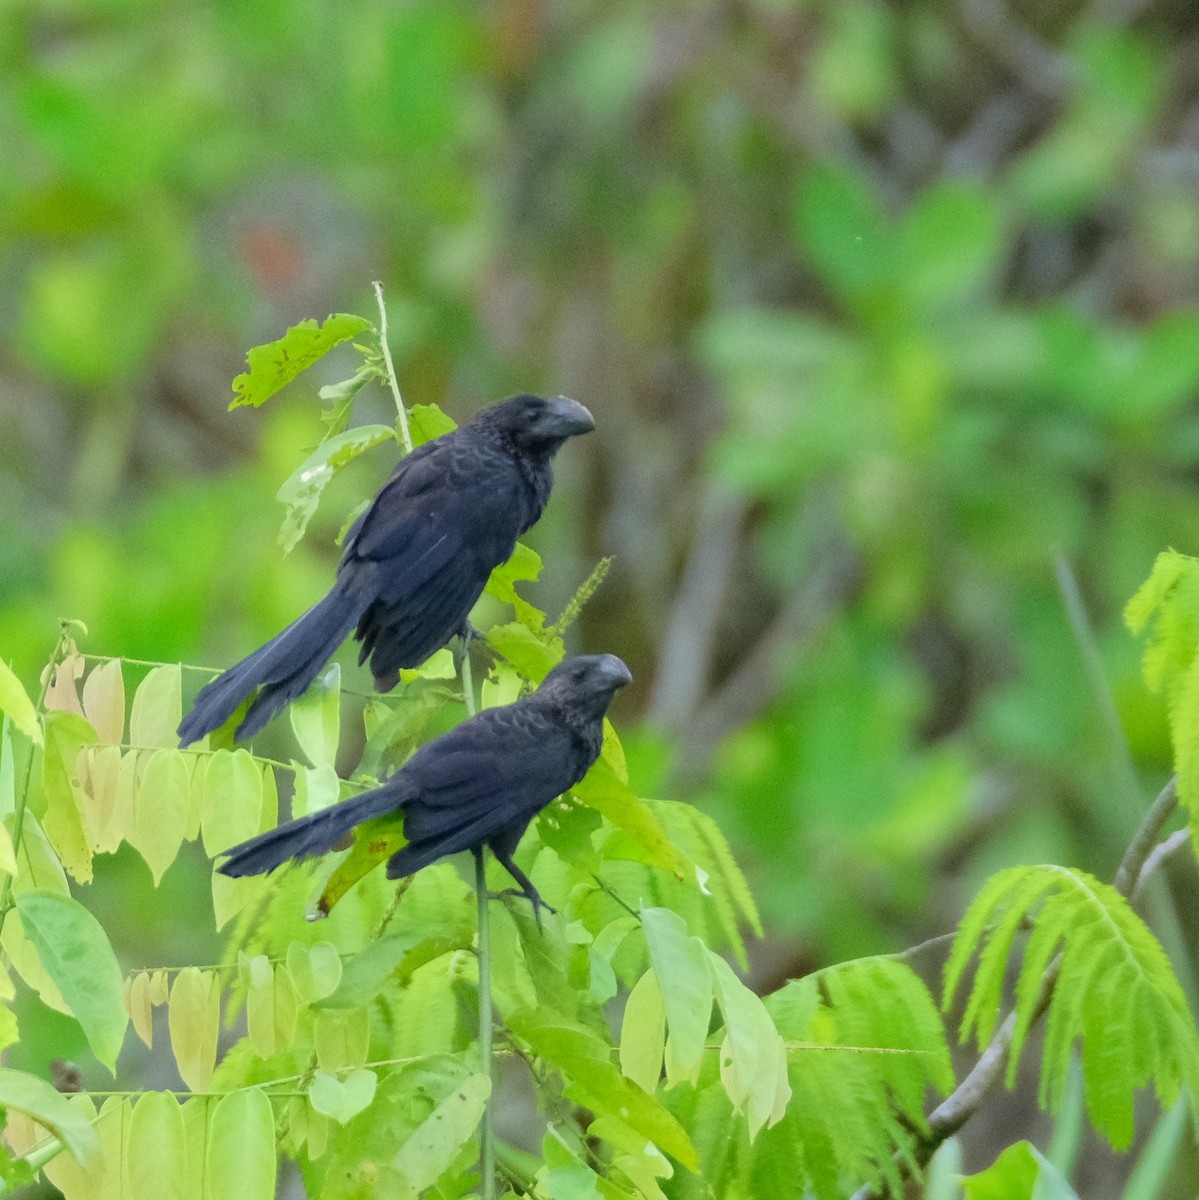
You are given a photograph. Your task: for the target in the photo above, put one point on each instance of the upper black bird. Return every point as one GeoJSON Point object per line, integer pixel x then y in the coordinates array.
{"type": "Point", "coordinates": [415, 562]}
{"type": "Point", "coordinates": [479, 784]}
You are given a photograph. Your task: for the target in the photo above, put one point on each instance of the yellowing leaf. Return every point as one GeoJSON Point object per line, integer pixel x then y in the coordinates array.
{"type": "Point", "coordinates": [141, 1007]}
{"type": "Point", "coordinates": [99, 769]}
{"type": "Point", "coordinates": [62, 817]}
{"type": "Point", "coordinates": [160, 810]}
{"type": "Point", "coordinates": [14, 701]}
{"type": "Point", "coordinates": [271, 1010]}
{"type": "Point", "coordinates": [104, 701]}
{"type": "Point", "coordinates": [643, 1033]}
{"type": "Point", "coordinates": [157, 710]}
{"type": "Point", "coordinates": [63, 693]}
{"type": "Point", "coordinates": [194, 1015]}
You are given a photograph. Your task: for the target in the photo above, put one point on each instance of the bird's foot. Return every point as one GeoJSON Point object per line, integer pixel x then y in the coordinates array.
{"type": "Point", "coordinates": [534, 898]}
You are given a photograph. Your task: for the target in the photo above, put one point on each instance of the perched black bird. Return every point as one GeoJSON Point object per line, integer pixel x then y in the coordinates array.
{"type": "Point", "coordinates": [480, 784]}
{"type": "Point", "coordinates": [415, 562]}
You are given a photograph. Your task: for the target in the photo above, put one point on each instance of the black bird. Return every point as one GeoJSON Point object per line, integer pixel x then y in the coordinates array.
{"type": "Point", "coordinates": [415, 562]}
{"type": "Point", "coordinates": [480, 784]}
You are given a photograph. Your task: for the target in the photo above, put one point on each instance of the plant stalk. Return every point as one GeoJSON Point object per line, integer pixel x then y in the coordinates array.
{"type": "Point", "coordinates": [486, 1132]}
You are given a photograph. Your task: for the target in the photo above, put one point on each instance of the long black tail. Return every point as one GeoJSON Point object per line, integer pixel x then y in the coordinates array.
{"type": "Point", "coordinates": [283, 668]}
{"type": "Point", "coordinates": [316, 833]}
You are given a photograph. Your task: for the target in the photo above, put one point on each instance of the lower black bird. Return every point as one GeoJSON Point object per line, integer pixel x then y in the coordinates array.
{"type": "Point", "coordinates": [415, 562]}
{"type": "Point", "coordinates": [480, 784]}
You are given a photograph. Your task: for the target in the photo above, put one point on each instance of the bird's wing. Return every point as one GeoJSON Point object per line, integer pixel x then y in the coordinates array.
{"type": "Point", "coordinates": [448, 497]}
{"type": "Point", "coordinates": [504, 764]}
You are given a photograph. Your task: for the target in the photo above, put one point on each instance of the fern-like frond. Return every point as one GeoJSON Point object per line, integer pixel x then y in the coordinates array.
{"type": "Point", "coordinates": [1151, 595]}
{"type": "Point", "coordinates": [1115, 990]}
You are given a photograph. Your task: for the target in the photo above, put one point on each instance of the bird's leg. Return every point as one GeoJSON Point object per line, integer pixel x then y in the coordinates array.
{"type": "Point", "coordinates": [526, 889]}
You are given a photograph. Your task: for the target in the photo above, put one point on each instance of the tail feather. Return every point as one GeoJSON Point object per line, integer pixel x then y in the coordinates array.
{"type": "Point", "coordinates": [283, 669]}
{"type": "Point", "coordinates": [316, 833]}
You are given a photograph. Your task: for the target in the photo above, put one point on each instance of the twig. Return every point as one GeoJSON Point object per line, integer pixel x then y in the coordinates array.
{"type": "Point", "coordinates": [22, 799]}
{"type": "Point", "coordinates": [486, 1130]}
{"type": "Point", "coordinates": [1160, 853]}
{"type": "Point", "coordinates": [405, 434]}
{"type": "Point", "coordinates": [1139, 849]}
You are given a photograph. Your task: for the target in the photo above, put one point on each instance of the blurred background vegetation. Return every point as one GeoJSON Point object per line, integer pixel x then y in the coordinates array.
{"type": "Point", "coordinates": [888, 314]}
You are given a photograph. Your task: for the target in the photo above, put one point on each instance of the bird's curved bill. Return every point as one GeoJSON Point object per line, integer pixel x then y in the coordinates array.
{"type": "Point", "coordinates": [568, 416]}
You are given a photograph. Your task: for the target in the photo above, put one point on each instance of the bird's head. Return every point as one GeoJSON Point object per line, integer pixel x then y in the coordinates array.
{"type": "Point", "coordinates": [537, 425]}
{"type": "Point", "coordinates": [585, 683]}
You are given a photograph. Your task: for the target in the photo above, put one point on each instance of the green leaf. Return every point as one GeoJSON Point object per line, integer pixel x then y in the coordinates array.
{"type": "Point", "coordinates": [1116, 990]}
{"type": "Point", "coordinates": [839, 223]}
{"type": "Point", "coordinates": [435, 1142]}
{"type": "Point", "coordinates": [342, 1099]}
{"type": "Point", "coordinates": [76, 953]}
{"type": "Point", "coordinates": [277, 363]}
{"type": "Point", "coordinates": [602, 790]}
{"type": "Point", "coordinates": [316, 718]}
{"type": "Point", "coordinates": [753, 1059]}
{"type": "Point", "coordinates": [591, 1079]}
{"type": "Point", "coordinates": [16, 703]}
{"type": "Point", "coordinates": [427, 421]}
{"type": "Point", "coordinates": [49, 1107]}
{"type": "Point", "coordinates": [156, 1151]}
{"type": "Point", "coordinates": [240, 1160]}
{"type": "Point", "coordinates": [680, 964]}
{"type": "Point", "coordinates": [377, 963]}
{"type": "Point", "coordinates": [533, 655]}
{"type": "Point", "coordinates": [301, 492]}
{"type": "Point", "coordinates": [524, 565]}
{"type": "Point", "coordinates": [1019, 1173]}
{"type": "Point", "coordinates": [315, 970]}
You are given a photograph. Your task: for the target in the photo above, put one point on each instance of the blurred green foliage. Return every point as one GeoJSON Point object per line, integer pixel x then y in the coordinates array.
{"type": "Point", "coordinates": [880, 309]}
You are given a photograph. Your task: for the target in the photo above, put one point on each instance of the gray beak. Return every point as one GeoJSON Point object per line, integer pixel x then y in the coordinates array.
{"type": "Point", "coordinates": [614, 671]}
{"type": "Point", "coordinates": [567, 418]}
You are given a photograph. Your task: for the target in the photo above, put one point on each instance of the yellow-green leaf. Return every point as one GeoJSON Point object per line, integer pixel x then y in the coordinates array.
{"type": "Point", "coordinates": [14, 701]}
{"type": "Point", "coordinates": [240, 1161]}
{"type": "Point", "coordinates": [194, 1016]}
{"type": "Point", "coordinates": [62, 797]}
{"type": "Point", "coordinates": [156, 1150]}
{"type": "Point", "coordinates": [157, 710]}
{"type": "Point", "coordinates": [160, 810]}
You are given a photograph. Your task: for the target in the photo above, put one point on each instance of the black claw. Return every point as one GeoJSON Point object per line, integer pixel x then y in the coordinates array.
{"type": "Point", "coordinates": [533, 898]}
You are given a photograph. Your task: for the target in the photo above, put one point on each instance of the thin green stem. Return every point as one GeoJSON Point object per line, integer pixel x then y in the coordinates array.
{"type": "Point", "coordinates": [405, 434]}
{"type": "Point", "coordinates": [486, 1132]}
{"type": "Point", "coordinates": [22, 799]}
